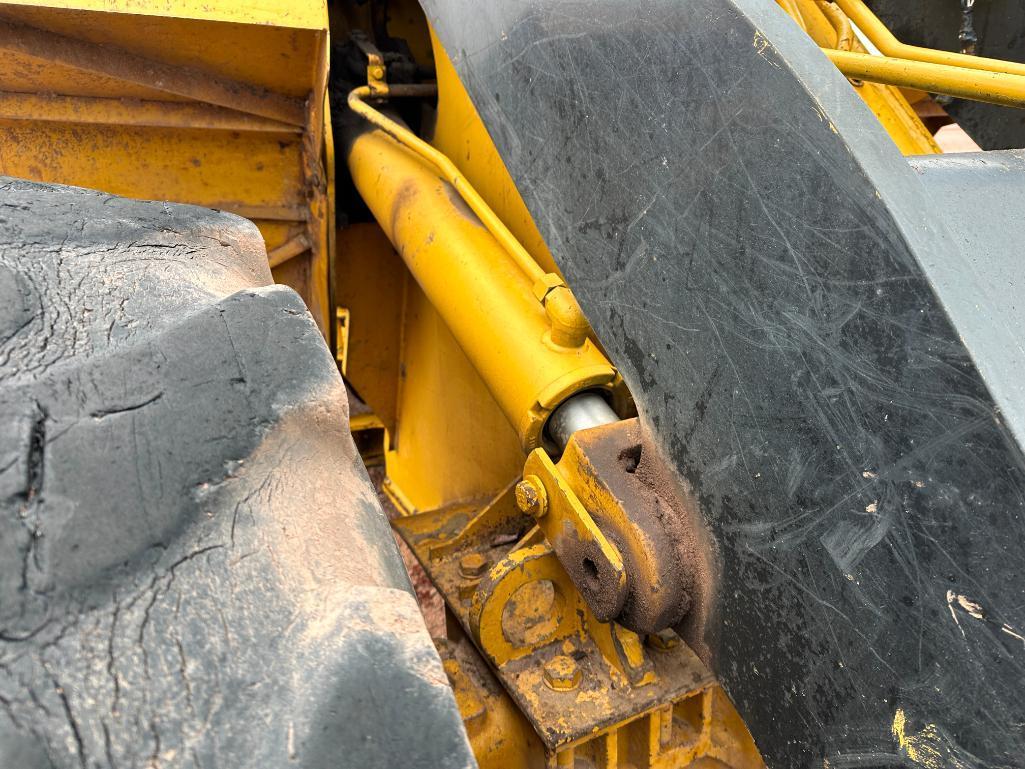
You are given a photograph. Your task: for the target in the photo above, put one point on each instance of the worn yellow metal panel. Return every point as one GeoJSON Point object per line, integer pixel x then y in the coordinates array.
{"type": "Point", "coordinates": [247, 173]}
{"type": "Point", "coordinates": [445, 411]}
{"type": "Point", "coordinates": [219, 104]}
{"type": "Point", "coordinates": [281, 61]}
{"type": "Point", "coordinates": [405, 364]}
{"type": "Point", "coordinates": [370, 284]}
{"type": "Point", "coordinates": [300, 14]}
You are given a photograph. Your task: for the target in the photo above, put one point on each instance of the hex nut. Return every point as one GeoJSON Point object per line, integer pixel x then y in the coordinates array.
{"type": "Point", "coordinates": [663, 640]}
{"type": "Point", "coordinates": [473, 566]}
{"type": "Point", "coordinates": [561, 673]}
{"type": "Point", "coordinates": [531, 497]}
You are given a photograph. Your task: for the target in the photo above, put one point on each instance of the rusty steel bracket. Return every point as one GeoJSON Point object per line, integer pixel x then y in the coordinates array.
{"type": "Point", "coordinates": [615, 524]}
{"type": "Point", "coordinates": [702, 725]}
{"type": "Point", "coordinates": [569, 673]}
{"type": "Point", "coordinates": [570, 618]}
{"type": "Point", "coordinates": [377, 71]}
{"type": "Point", "coordinates": [593, 562]}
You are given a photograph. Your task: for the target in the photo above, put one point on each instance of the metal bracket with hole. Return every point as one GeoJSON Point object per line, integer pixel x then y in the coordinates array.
{"type": "Point", "coordinates": [569, 673]}
{"type": "Point", "coordinates": [593, 562]}
{"type": "Point", "coordinates": [377, 70]}
{"type": "Point", "coordinates": [618, 526]}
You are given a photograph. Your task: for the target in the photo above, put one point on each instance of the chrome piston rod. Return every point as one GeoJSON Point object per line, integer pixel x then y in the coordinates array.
{"type": "Point", "coordinates": [580, 412]}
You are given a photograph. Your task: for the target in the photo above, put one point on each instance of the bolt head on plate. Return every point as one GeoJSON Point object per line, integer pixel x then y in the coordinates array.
{"type": "Point", "coordinates": [473, 565]}
{"type": "Point", "coordinates": [663, 641]}
{"type": "Point", "coordinates": [531, 497]}
{"type": "Point", "coordinates": [562, 673]}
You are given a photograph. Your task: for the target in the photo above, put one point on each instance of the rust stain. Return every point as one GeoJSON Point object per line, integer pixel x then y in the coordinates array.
{"type": "Point", "coordinates": [643, 511]}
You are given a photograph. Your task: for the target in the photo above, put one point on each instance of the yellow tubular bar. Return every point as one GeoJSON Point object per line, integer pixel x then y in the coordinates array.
{"type": "Point", "coordinates": [830, 28]}
{"type": "Point", "coordinates": [482, 294]}
{"type": "Point", "coordinates": [988, 86]}
{"type": "Point", "coordinates": [447, 169]}
{"type": "Point", "coordinates": [889, 45]}
{"type": "Point", "coordinates": [840, 23]}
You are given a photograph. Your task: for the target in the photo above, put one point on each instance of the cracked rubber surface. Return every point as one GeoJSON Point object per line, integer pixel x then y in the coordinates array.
{"type": "Point", "coordinates": [194, 570]}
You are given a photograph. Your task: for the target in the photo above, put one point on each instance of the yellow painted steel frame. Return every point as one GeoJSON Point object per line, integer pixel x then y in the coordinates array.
{"type": "Point", "coordinates": [458, 374]}
{"type": "Point", "coordinates": [210, 102]}
{"type": "Point", "coordinates": [593, 691]}
{"type": "Point", "coordinates": [403, 359]}
{"type": "Point", "coordinates": [448, 442]}
{"type": "Point", "coordinates": [702, 728]}
{"type": "Point", "coordinates": [449, 343]}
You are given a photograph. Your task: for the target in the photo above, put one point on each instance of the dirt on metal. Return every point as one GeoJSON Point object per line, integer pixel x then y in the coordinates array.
{"type": "Point", "coordinates": [432, 605]}
{"type": "Point", "coordinates": [698, 555]}
{"type": "Point", "coordinates": [642, 510]}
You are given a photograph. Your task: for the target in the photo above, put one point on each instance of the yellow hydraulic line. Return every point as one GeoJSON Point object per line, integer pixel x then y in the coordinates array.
{"type": "Point", "coordinates": [446, 167]}
{"type": "Point", "coordinates": [840, 23]}
{"type": "Point", "coordinates": [993, 87]}
{"type": "Point", "coordinates": [889, 45]}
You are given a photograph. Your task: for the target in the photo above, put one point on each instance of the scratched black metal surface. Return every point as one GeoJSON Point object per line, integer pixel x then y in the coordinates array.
{"type": "Point", "coordinates": [798, 327]}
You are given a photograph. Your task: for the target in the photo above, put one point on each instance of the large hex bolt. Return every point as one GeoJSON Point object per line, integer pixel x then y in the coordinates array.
{"type": "Point", "coordinates": [531, 496]}
{"type": "Point", "coordinates": [561, 673]}
{"type": "Point", "coordinates": [472, 568]}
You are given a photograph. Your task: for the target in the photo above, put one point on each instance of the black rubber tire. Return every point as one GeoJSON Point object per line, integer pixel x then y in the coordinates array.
{"type": "Point", "coordinates": [194, 568]}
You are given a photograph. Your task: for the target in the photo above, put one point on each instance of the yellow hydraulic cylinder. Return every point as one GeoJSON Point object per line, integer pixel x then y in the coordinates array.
{"type": "Point", "coordinates": [527, 359]}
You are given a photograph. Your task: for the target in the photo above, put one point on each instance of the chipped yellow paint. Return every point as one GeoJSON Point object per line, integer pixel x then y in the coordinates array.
{"type": "Point", "coordinates": [762, 44]}
{"type": "Point", "coordinates": [927, 748]}
{"type": "Point", "coordinates": [913, 747]}
{"type": "Point", "coordinates": [297, 15]}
